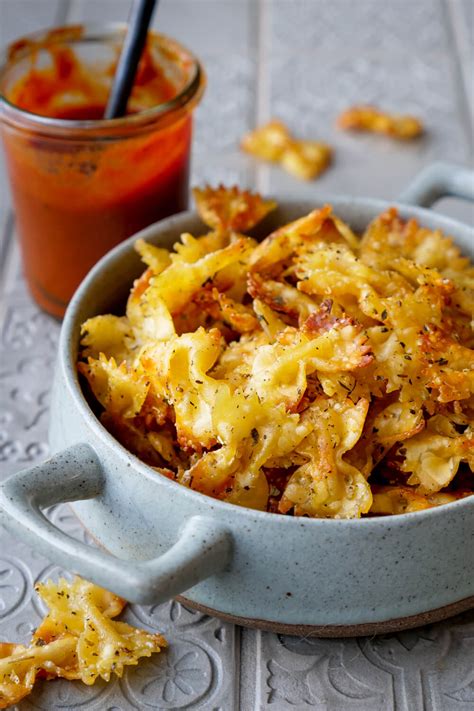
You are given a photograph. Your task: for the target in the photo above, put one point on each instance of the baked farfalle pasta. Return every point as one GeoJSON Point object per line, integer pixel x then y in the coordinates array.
{"type": "Point", "coordinates": [317, 373]}
{"type": "Point", "coordinates": [374, 120]}
{"type": "Point", "coordinates": [78, 639]}
{"type": "Point", "coordinates": [273, 142]}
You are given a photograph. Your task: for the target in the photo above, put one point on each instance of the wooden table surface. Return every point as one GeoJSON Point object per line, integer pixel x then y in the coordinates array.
{"type": "Point", "coordinates": [302, 61]}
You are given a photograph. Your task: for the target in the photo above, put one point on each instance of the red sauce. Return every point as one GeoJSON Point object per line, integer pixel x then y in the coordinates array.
{"type": "Point", "coordinates": [81, 113]}
{"type": "Point", "coordinates": [67, 87]}
{"type": "Point", "coordinates": [75, 199]}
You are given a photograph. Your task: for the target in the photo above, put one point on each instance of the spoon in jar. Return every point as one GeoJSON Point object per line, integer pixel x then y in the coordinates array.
{"type": "Point", "coordinates": [135, 39]}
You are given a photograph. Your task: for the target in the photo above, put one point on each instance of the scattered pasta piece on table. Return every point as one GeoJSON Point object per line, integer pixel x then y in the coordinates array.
{"type": "Point", "coordinates": [77, 640]}
{"type": "Point", "coordinates": [273, 142]}
{"type": "Point", "coordinates": [372, 119]}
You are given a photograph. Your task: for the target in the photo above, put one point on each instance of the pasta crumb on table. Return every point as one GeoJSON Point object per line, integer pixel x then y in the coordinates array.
{"type": "Point", "coordinates": [78, 639]}
{"type": "Point", "coordinates": [372, 119]}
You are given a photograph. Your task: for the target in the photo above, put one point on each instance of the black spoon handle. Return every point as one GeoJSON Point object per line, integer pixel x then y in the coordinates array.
{"type": "Point", "coordinates": [134, 42]}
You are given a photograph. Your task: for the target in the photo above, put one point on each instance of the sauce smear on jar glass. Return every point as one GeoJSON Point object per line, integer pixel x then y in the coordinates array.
{"type": "Point", "coordinates": [82, 184]}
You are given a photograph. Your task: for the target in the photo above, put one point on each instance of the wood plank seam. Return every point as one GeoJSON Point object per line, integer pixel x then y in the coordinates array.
{"type": "Point", "coordinates": [452, 25]}
{"type": "Point", "coordinates": [465, 53]}
{"type": "Point", "coordinates": [262, 179]}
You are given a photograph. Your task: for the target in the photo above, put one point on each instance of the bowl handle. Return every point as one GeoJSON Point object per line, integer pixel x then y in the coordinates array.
{"type": "Point", "coordinates": [439, 180]}
{"type": "Point", "coordinates": [204, 546]}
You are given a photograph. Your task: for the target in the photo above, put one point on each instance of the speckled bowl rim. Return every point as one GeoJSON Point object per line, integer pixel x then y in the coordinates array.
{"type": "Point", "coordinates": [68, 344]}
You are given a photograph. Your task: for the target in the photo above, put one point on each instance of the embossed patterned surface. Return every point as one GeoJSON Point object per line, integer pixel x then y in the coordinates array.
{"type": "Point", "coordinates": [302, 60]}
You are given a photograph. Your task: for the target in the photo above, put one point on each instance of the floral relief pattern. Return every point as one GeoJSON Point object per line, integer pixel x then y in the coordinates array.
{"type": "Point", "coordinates": [465, 694]}
{"type": "Point", "coordinates": [25, 384]}
{"type": "Point", "coordinates": [14, 584]}
{"type": "Point", "coordinates": [24, 325]}
{"type": "Point", "coordinates": [427, 668]}
{"type": "Point", "coordinates": [410, 658]}
{"type": "Point", "coordinates": [178, 681]}
{"type": "Point", "coordinates": [289, 685]}
{"type": "Point", "coordinates": [69, 695]}
{"type": "Point", "coordinates": [334, 671]}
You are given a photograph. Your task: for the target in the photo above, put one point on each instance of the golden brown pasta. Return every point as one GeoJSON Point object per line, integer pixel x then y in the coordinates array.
{"type": "Point", "coordinates": [78, 639]}
{"type": "Point", "coordinates": [303, 374]}
{"type": "Point", "coordinates": [273, 142]}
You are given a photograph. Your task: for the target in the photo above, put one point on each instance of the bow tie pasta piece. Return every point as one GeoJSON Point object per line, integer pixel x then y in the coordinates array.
{"type": "Point", "coordinates": [281, 244]}
{"type": "Point", "coordinates": [370, 118]}
{"type": "Point", "coordinates": [267, 142]}
{"type": "Point", "coordinates": [156, 258]}
{"type": "Point", "coordinates": [332, 270]}
{"type": "Point", "coordinates": [78, 639]}
{"type": "Point", "coordinates": [255, 434]}
{"type": "Point", "coordinates": [306, 159]}
{"type": "Point", "coordinates": [449, 366]}
{"type": "Point", "coordinates": [231, 209]}
{"type": "Point", "coordinates": [275, 435]}
{"type": "Point", "coordinates": [182, 374]}
{"type": "Point", "coordinates": [112, 335]}
{"type": "Point", "coordinates": [64, 600]}
{"type": "Point", "coordinates": [23, 665]}
{"type": "Point", "coordinates": [399, 348]}
{"type": "Point", "coordinates": [119, 389]}
{"type": "Point", "coordinates": [327, 486]}
{"type": "Point", "coordinates": [105, 647]}
{"type": "Point", "coordinates": [432, 457]}
{"type": "Point", "coordinates": [273, 142]}
{"type": "Point", "coordinates": [177, 283]}
{"type": "Point", "coordinates": [389, 421]}
{"type": "Point", "coordinates": [149, 316]}
{"type": "Point", "coordinates": [152, 302]}
{"type": "Point", "coordinates": [404, 499]}
{"type": "Point", "coordinates": [84, 612]}
{"type": "Point", "coordinates": [279, 371]}
{"type": "Point", "coordinates": [281, 297]}
{"type": "Point", "coordinates": [388, 236]}
{"type": "Point", "coordinates": [227, 312]}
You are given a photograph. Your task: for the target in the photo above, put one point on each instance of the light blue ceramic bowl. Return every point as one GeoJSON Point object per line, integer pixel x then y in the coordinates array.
{"type": "Point", "coordinates": [159, 539]}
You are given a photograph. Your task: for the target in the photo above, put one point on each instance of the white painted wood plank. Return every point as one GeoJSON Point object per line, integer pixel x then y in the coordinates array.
{"type": "Point", "coordinates": [17, 18]}
{"type": "Point", "coordinates": [352, 54]}
{"type": "Point", "coordinates": [92, 11]}
{"type": "Point", "coordinates": [462, 16]}
{"type": "Point", "coordinates": [205, 26]}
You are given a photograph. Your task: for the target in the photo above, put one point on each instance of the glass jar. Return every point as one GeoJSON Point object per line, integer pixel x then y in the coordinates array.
{"type": "Point", "coordinates": [82, 184]}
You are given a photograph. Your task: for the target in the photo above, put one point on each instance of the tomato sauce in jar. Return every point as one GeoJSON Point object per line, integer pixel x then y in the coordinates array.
{"type": "Point", "coordinates": [82, 184]}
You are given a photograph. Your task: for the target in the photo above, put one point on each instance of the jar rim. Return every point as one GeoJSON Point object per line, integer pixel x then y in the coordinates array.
{"type": "Point", "coordinates": [184, 100]}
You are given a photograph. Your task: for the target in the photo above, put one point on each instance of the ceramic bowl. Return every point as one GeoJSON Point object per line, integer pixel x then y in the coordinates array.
{"type": "Point", "coordinates": [158, 539]}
